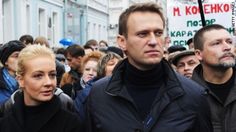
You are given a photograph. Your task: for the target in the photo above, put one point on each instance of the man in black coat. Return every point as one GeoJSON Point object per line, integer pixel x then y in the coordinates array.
{"type": "Point", "coordinates": [144, 93]}
{"type": "Point", "coordinates": [214, 47]}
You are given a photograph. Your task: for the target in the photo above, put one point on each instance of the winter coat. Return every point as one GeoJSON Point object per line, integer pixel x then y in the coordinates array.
{"type": "Point", "coordinates": [223, 115]}
{"type": "Point", "coordinates": [51, 117]}
{"type": "Point", "coordinates": [4, 92]}
{"type": "Point", "coordinates": [81, 98]}
{"type": "Point", "coordinates": [66, 101]}
{"type": "Point", "coordinates": [70, 83]}
{"type": "Point", "coordinates": [180, 106]}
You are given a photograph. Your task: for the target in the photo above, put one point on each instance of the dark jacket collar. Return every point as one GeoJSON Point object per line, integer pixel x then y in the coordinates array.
{"type": "Point", "coordinates": [116, 86]}
{"type": "Point", "coordinates": [198, 77]}
{"type": "Point", "coordinates": [2, 82]}
{"type": "Point", "coordinates": [48, 111]}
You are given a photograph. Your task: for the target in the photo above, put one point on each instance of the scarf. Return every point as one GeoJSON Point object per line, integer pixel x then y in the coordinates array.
{"type": "Point", "coordinates": [11, 82]}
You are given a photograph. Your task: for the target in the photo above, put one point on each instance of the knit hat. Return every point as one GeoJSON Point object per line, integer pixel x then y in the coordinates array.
{"type": "Point", "coordinates": [115, 50]}
{"type": "Point", "coordinates": [7, 49]}
{"type": "Point", "coordinates": [180, 55]}
{"type": "Point", "coordinates": [175, 48]}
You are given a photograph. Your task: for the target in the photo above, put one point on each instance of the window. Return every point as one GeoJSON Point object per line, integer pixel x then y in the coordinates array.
{"type": "Point", "coordinates": [42, 22]}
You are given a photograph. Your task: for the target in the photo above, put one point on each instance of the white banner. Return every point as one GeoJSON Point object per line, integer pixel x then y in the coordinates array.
{"type": "Point", "coordinates": [184, 19]}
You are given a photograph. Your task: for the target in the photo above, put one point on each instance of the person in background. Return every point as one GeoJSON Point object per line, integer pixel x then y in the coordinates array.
{"type": "Point", "coordinates": [103, 44]}
{"type": "Point", "coordinates": [89, 75]}
{"type": "Point", "coordinates": [107, 63]}
{"type": "Point", "coordinates": [116, 50]}
{"type": "Point", "coordinates": [167, 41]}
{"type": "Point", "coordinates": [214, 48]}
{"type": "Point", "coordinates": [172, 51]}
{"type": "Point", "coordinates": [89, 67]}
{"type": "Point", "coordinates": [92, 43]}
{"type": "Point", "coordinates": [185, 62]}
{"type": "Point", "coordinates": [26, 39]}
{"type": "Point", "coordinates": [175, 48]}
{"type": "Point", "coordinates": [42, 41]}
{"type": "Point", "coordinates": [37, 108]}
{"type": "Point", "coordinates": [60, 56]}
{"type": "Point", "coordinates": [87, 49]}
{"type": "Point", "coordinates": [62, 59]}
{"type": "Point", "coordinates": [144, 93]}
{"type": "Point", "coordinates": [70, 81]}
{"type": "Point", "coordinates": [190, 43]}
{"type": "Point", "coordinates": [8, 55]}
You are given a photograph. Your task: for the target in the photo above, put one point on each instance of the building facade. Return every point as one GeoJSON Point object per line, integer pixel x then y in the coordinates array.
{"type": "Point", "coordinates": [97, 20]}
{"type": "Point", "coordinates": [86, 19]}
{"type": "Point", "coordinates": [79, 20]}
{"type": "Point", "coordinates": [34, 17]}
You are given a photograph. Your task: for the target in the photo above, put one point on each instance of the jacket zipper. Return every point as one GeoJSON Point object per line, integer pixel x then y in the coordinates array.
{"type": "Point", "coordinates": [224, 128]}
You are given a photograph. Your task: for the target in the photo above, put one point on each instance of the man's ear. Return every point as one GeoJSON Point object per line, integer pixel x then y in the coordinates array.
{"type": "Point", "coordinates": [121, 41]}
{"type": "Point", "coordinates": [198, 54]}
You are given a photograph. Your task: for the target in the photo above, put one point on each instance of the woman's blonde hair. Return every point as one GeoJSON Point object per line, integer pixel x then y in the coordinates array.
{"type": "Point", "coordinates": [31, 52]}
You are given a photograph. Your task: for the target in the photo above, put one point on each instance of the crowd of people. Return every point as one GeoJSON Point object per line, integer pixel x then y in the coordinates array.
{"type": "Point", "coordinates": [138, 86]}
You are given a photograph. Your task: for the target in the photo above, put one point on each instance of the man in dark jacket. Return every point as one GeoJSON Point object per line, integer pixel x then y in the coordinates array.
{"type": "Point", "coordinates": [144, 93]}
{"type": "Point", "coordinates": [214, 48]}
{"type": "Point", "coordinates": [70, 82]}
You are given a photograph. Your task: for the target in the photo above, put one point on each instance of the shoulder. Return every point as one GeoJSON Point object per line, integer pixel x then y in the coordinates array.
{"type": "Point", "coordinates": [194, 93]}
{"type": "Point", "coordinates": [66, 101]}
{"type": "Point", "coordinates": [101, 84]}
{"type": "Point", "coordinates": [190, 86]}
{"type": "Point", "coordinates": [67, 120]}
{"type": "Point", "coordinates": [98, 89]}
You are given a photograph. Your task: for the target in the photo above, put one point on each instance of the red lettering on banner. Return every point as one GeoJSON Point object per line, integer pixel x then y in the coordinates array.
{"type": "Point", "coordinates": [227, 7]}
{"type": "Point", "coordinates": [195, 10]}
{"type": "Point", "coordinates": [176, 11]}
{"type": "Point", "coordinates": [213, 8]}
{"type": "Point", "coordinates": [187, 10]}
{"type": "Point", "coordinates": [208, 8]}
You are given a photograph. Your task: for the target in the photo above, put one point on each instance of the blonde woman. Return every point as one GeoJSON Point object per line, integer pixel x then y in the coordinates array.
{"type": "Point", "coordinates": [37, 108]}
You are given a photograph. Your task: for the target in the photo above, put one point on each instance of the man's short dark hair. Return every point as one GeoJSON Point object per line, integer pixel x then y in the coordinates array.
{"type": "Point", "coordinates": [74, 51]}
{"type": "Point", "coordinates": [140, 7]}
{"type": "Point", "coordinates": [26, 39]}
{"type": "Point", "coordinates": [198, 39]}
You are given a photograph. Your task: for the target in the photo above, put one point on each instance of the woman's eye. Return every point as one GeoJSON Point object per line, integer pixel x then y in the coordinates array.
{"type": "Point", "coordinates": [86, 69]}
{"type": "Point", "coordinates": [38, 76]}
{"type": "Point", "coordinates": [53, 75]}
